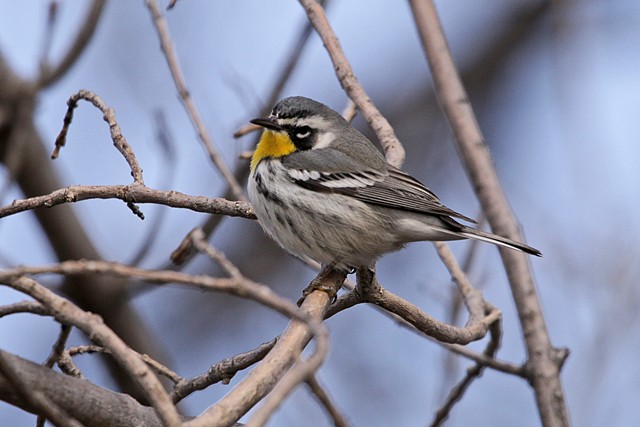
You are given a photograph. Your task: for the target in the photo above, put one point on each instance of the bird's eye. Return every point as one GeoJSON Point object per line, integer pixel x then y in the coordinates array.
{"type": "Point", "coordinates": [303, 132]}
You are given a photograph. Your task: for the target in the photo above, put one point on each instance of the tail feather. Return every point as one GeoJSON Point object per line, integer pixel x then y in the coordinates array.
{"type": "Point", "coordinates": [472, 233]}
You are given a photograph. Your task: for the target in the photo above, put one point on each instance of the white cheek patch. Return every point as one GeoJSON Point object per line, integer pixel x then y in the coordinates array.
{"type": "Point", "coordinates": [324, 140]}
{"type": "Point", "coordinates": [303, 175]}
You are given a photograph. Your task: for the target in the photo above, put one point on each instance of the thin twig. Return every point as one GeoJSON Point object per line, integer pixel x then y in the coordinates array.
{"type": "Point", "coordinates": [160, 24]}
{"type": "Point", "coordinates": [68, 366]}
{"type": "Point", "coordinates": [109, 116]}
{"type": "Point", "coordinates": [196, 239]}
{"type": "Point", "coordinates": [392, 146]}
{"type": "Point", "coordinates": [450, 362]}
{"type": "Point", "coordinates": [244, 288]}
{"type": "Point", "coordinates": [472, 298]}
{"type": "Point", "coordinates": [352, 298]}
{"type": "Point", "coordinates": [222, 371]}
{"type": "Point", "coordinates": [167, 153]}
{"type": "Point", "coordinates": [473, 372]}
{"type": "Point", "coordinates": [321, 394]}
{"type": "Point", "coordinates": [58, 347]}
{"type": "Point", "coordinates": [33, 307]}
{"type": "Point", "coordinates": [350, 111]}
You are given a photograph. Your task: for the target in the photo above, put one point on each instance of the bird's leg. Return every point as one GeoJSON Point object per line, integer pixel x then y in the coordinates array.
{"type": "Point", "coordinates": [328, 280]}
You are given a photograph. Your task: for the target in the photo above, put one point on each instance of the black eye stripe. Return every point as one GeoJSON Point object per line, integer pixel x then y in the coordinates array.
{"type": "Point", "coordinates": [302, 131]}
{"type": "Point", "coordinates": [303, 137]}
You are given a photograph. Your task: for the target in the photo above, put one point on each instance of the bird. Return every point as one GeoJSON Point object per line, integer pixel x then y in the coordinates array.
{"type": "Point", "coordinates": [324, 192]}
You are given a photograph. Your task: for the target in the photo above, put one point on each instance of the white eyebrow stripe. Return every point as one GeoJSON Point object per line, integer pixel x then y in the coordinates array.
{"type": "Point", "coordinates": [314, 122]}
{"type": "Point", "coordinates": [287, 122]}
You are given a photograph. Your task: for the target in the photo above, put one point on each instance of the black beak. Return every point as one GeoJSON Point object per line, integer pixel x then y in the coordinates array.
{"type": "Point", "coordinates": [269, 123]}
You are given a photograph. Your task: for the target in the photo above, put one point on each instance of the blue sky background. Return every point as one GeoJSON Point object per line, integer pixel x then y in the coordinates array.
{"type": "Point", "coordinates": [559, 111]}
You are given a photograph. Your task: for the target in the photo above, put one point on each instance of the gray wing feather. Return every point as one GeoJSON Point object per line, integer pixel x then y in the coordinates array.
{"type": "Point", "coordinates": [389, 187]}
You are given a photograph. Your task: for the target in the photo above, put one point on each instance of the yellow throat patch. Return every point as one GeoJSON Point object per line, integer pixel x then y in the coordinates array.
{"type": "Point", "coordinates": [272, 144]}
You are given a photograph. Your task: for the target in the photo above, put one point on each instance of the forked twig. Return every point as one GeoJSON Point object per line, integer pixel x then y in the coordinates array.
{"type": "Point", "coordinates": [161, 27]}
{"type": "Point", "coordinates": [109, 116]}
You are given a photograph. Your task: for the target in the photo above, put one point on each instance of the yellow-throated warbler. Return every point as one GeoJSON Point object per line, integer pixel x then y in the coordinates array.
{"type": "Point", "coordinates": [324, 192]}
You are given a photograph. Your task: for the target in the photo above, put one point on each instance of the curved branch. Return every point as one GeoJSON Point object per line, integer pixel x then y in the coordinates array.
{"type": "Point", "coordinates": [109, 116]}
{"type": "Point", "coordinates": [388, 139]}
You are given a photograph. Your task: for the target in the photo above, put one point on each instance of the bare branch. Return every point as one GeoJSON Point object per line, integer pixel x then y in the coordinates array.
{"type": "Point", "coordinates": [58, 347]}
{"type": "Point", "coordinates": [245, 288]}
{"type": "Point", "coordinates": [323, 397]}
{"type": "Point", "coordinates": [369, 290]}
{"type": "Point", "coordinates": [160, 24]}
{"type": "Point", "coordinates": [109, 116]}
{"type": "Point", "coordinates": [222, 371]}
{"type": "Point", "coordinates": [129, 194]}
{"type": "Point", "coordinates": [472, 373]}
{"type": "Point", "coordinates": [86, 402]}
{"type": "Point", "coordinates": [32, 307]}
{"type": "Point", "coordinates": [543, 363]}
{"type": "Point", "coordinates": [471, 297]}
{"type": "Point", "coordinates": [37, 400]}
{"type": "Point", "coordinates": [392, 146]}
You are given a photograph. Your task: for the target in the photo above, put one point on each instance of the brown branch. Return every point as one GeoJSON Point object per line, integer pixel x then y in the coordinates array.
{"type": "Point", "coordinates": [319, 392]}
{"type": "Point", "coordinates": [109, 116]}
{"type": "Point", "coordinates": [473, 372]}
{"type": "Point", "coordinates": [392, 146]}
{"type": "Point", "coordinates": [222, 371]}
{"type": "Point", "coordinates": [67, 236]}
{"type": "Point", "coordinates": [68, 313]}
{"type": "Point", "coordinates": [543, 361]}
{"type": "Point", "coordinates": [88, 403]}
{"type": "Point", "coordinates": [369, 290]}
{"type": "Point", "coordinates": [472, 298]}
{"type": "Point", "coordinates": [58, 347]}
{"type": "Point", "coordinates": [32, 307]}
{"type": "Point", "coordinates": [40, 402]}
{"type": "Point", "coordinates": [66, 363]}
{"type": "Point", "coordinates": [129, 194]}
{"type": "Point", "coordinates": [161, 27]}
